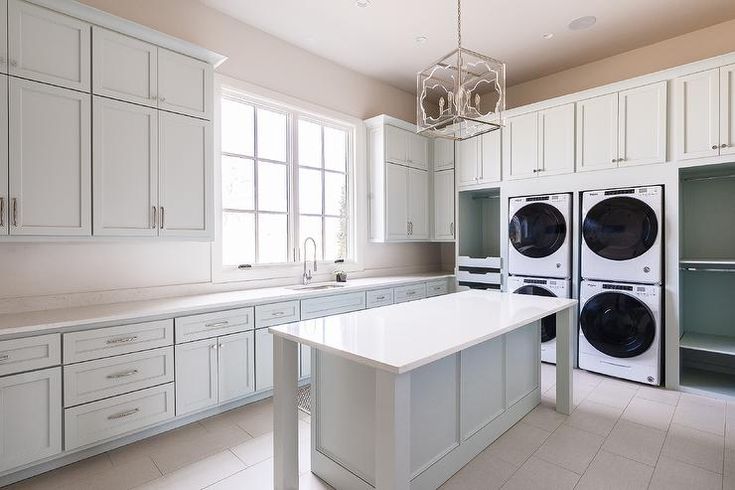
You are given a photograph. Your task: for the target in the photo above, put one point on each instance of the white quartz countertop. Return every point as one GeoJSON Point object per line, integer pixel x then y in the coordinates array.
{"type": "Point", "coordinates": [403, 337]}
{"type": "Point", "coordinates": [117, 313]}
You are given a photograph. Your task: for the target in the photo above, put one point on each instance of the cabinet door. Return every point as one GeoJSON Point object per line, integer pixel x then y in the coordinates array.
{"type": "Point", "coordinates": [50, 164]}
{"type": "Point", "coordinates": [304, 361]}
{"type": "Point", "coordinates": [491, 160]}
{"type": "Point", "coordinates": [30, 417]}
{"type": "Point", "coordinates": [521, 146]}
{"type": "Point", "coordinates": [396, 145]}
{"type": "Point", "coordinates": [48, 46]}
{"type": "Point", "coordinates": [196, 376]}
{"type": "Point", "coordinates": [418, 151]}
{"type": "Point", "coordinates": [727, 110]}
{"type": "Point", "coordinates": [468, 162]}
{"type": "Point", "coordinates": [697, 120]}
{"type": "Point", "coordinates": [556, 140]}
{"type": "Point", "coordinates": [443, 154]}
{"type": "Point", "coordinates": [597, 133]}
{"type": "Point", "coordinates": [184, 84]}
{"type": "Point", "coordinates": [236, 365]}
{"type": "Point", "coordinates": [185, 176]}
{"type": "Point", "coordinates": [3, 36]}
{"type": "Point", "coordinates": [642, 125]}
{"type": "Point", "coordinates": [125, 147]}
{"type": "Point", "coordinates": [418, 204]}
{"type": "Point", "coordinates": [263, 359]}
{"type": "Point", "coordinates": [4, 198]}
{"type": "Point", "coordinates": [396, 202]}
{"type": "Point", "coordinates": [124, 68]}
{"type": "Point", "coordinates": [444, 205]}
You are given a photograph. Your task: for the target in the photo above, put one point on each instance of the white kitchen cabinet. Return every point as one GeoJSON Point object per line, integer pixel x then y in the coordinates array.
{"type": "Point", "coordinates": [30, 417]}
{"type": "Point", "coordinates": [418, 204]}
{"type": "Point", "coordinates": [185, 176]}
{"type": "Point", "coordinates": [263, 359]}
{"type": "Point", "coordinates": [597, 133]}
{"type": "Point", "coordinates": [443, 154]}
{"type": "Point", "coordinates": [467, 165]}
{"type": "Point", "coordinates": [47, 46]}
{"type": "Point", "coordinates": [405, 147]}
{"type": "Point", "coordinates": [418, 151]}
{"type": "Point", "coordinates": [124, 67]}
{"type": "Point", "coordinates": [479, 160]}
{"type": "Point", "coordinates": [491, 157]}
{"type": "Point", "coordinates": [556, 140]}
{"type": "Point", "coordinates": [50, 160]}
{"type": "Point", "coordinates": [3, 36]}
{"type": "Point", "coordinates": [125, 169]}
{"type": "Point", "coordinates": [196, 376]}
{"type": "Point", "coordinates": [396, 202]}
{"type": "Point", "coordinates": [443, 205]}
{"type": "Point", "coordinates": [236, 366]}
{"type": "Point", "coordinates": [727, 110]}
{"type": "Point", "coordinates": [642, 125]}
{"type": "Point", "coordinates": [184, 84]}
{"type": "Point", "coordinates": [520, 146]}
{"type": "Point", "coordinates": [4, 183]}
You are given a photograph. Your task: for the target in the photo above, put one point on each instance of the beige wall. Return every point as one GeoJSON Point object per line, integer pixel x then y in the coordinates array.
{"type": "Point", "coordinates": [696, 45]}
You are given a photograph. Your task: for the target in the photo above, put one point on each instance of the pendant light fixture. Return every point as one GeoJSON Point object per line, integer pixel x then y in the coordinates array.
{"type": "Point", "coordinates": [461, 95]}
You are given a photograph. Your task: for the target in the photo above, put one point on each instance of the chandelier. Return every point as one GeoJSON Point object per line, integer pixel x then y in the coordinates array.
{"type": "Point", "coordinates": [461, 95]}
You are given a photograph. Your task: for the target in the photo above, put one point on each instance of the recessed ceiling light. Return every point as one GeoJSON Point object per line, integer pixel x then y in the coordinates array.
{"type": "Point", "coordinates": [582, 23]}
{"type": "Point", "coordinates": [548, 35]}
{"type": "Point", "coordinates": [420, 39]}
{"type": "Point", "coordinates": [362, 3]}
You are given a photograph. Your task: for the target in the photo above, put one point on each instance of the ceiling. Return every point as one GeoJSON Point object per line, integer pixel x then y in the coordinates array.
{"type": "Point", "coordinates": [380, 40]}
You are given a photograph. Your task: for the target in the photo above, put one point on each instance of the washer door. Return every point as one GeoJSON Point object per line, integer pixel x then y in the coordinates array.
{"type": "Point", "coordinates": [548, 324]}
{"type": "Point", "coordinates": [620, 228]}
{"type": "Point", "coordinates": [618, 324]}
{"type": "Point", "coordinates": [537, 230]}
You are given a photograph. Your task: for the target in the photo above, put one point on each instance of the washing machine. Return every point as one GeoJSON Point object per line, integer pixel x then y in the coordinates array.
{"type": "Point", "coordinates": [539, 232]}
{"type": "Point", "coordinates": [622, 235]}
{"type": "Point", "coordinates": [539, 286]}
{"type": "Point", "coordinates": [620, 331]}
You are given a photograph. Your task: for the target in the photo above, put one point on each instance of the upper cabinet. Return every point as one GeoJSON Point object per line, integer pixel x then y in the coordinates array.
{"type": "Point", "coordinates": [4, 198]}
{"type": "Point", "coordinates": [184, 84]}
{"type": "Point", "coordinates": [520, 146]}
{"type": "Point", "coordinates": [406, 148]}
{"type": "Point", "coordinates": [479, 160]}
{"type": "Point", "coordinates": [705, 114]}
{"type": "Point", "coordinates": [47, 46]}
{"type": "Point", "coordinates": [597, 133]}
{"type": "Point", "coordinates": [443, 205]}
{"type": "Point", "coordinates": [443, 154]}
{"type": "Point", "coordinates": [3, 36]}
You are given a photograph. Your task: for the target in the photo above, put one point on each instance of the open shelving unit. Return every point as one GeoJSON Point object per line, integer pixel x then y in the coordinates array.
{"type": "Point", "coordinates": [479, 265]}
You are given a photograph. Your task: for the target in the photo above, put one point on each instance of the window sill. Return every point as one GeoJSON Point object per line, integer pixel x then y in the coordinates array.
{"type": "Point", "coordinates": [282, 272]}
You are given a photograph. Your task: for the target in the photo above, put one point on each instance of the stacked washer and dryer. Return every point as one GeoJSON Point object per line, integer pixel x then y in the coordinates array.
{"type": "Point", "coordinates": [620, 296]}
{"type": "Point", "coordinates": [539, 254]}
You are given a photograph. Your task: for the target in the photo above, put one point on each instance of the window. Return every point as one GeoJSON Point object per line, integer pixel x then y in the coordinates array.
{"type": "Point", "coordinates": [285, 177]}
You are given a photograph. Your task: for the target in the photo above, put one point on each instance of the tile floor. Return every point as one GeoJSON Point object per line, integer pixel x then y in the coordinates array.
{"type": "Point", "coordinates": [620, 436]}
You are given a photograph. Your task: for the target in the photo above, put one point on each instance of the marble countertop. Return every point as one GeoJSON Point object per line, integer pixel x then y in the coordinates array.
{"type": "Point", "coordinates": [116, 313]}
{"type": "Point", "coordinates": [403, 337]}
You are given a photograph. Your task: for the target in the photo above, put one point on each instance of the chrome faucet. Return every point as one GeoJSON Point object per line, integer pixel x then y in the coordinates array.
{"type": "Point", "coordinates": [308, 272]}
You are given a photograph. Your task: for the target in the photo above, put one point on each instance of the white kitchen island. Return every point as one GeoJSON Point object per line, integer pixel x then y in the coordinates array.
{"type": "Point", "coordinates": [404, 396]}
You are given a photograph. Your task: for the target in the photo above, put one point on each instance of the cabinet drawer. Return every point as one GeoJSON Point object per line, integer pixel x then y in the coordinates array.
{"type": "Point", "coordinates": [379, 297]}
{"type": "Point", "coordinates": [437, 288]}
{"type": "Point", "coordinates": [94, 380]}
{"type": "Point", "coordinates": [29, 353]}
{"type": "Point", "coordinates": [332, 305]}
{"type": "Point", "coordinates": [113, 341]}
{"type": "Point", "coordinates": [479, 277]}
{"type": "Point", "coordinates": [409, 293]}
{"type": "Point", "coordinates": [113, 417]}
{"type": "Point", "coordinates": [208, 325]}
{"type": "Point", "coordinates": [277, 313]}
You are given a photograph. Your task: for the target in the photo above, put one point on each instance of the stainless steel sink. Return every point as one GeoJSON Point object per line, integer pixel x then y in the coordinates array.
{"type": "Point", "coordinates": [316, 287]}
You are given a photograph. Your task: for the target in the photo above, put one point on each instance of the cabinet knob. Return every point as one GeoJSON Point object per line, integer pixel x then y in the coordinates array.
{"type": "Point", "coordinates": [714, 147]}
{"type": "Point", "coordinates": [723, 145]}
{"type": "Point", "coordinates": [614, 160]}
{"type": "Point", "coordinates": [621, 159]}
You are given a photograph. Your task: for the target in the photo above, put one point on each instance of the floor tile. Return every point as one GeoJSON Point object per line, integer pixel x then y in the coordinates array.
{"type": "Point", "coordinates": [518, 443]}
{"type": "Point", "coordinates": [634, 441]}
{"type": "Point", "coordinates": [256, 419]}
{"type": "Point", "coordinates": [544, 416]}
{"type": "Point", "coordinates": [538, 474]}
{"type": "Point", "coordinates": [255, 450]}
{"type": "Point", "coordinates": [548, 376]}
{"type": "Point", "coordinates": [570, 448]}
{"type": "Point", "coordinates": [649, 413]}
{"type": "Point", "coordinates": [613, 393]}
{"type": "Point", "coordinates": [594, 417]}
{"type": "Point", "coordinates": [705, 414]}
{"type": "Point", "coordinates": [200, 474]}
{"type": "Point", "coordinates": [675, 475]}
{"type": "Point", "coordinates": [695, 447]}
{"type": "Point", "coordinates": [485, 471]}
{"type": "Point", "coordinates": [579, 394]}
{"type": "Point", "coordinates": [254, 477]}
{"type": "Point", "coordinates": [70, 477]}
{"type": "Point", "coordinates": [609, 472]}
{"type": "Point", "coordinates": [656, 394]}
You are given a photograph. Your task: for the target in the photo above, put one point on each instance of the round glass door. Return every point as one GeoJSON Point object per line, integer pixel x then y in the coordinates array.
{"type": "Point", "coordinates": [548, 324]}
{"type": "Point", "coordinates": [618, 325]}
{"type": "Point", "coordinates": [620, 228]}
{"type": "Point", "coordinates": [537, 230]}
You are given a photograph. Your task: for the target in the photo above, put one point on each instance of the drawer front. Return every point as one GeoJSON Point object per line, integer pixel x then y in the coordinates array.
{"type": "Point", "coordinates": [409, 293]}
{"type": "Point", "coordinates": [332, 305]}
{"type": "Point", "coordinates": [208, 325]}
{"type": "Point", "coordinates": [379, 297]}
{"type": "Point", "coordinates": [29, 353]}
{"type": "Point", "coordinates": [277, 313]}
{"type": "Point", "coordinates": [479, 277]}
{"type": "Point", "coordinates": [93, 380]}
{"type": "Point", "coordinates": [113, 417]}
{"type": "Point", "coordinates": [437, 288]}
{"type": "Point", "coordinates": [114, 341]}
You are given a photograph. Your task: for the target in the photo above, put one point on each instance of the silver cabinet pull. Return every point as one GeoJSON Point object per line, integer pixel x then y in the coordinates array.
{"type": "Point", "coordinates": [122, 340]}
{"type": "Point", "coordinates": [2, 211]}
{"type": "Point", "coordinates": [162, 211]}
{"type": "Point", "coordinates": [714, 147]}
{"type": "Point", "coordinates": [451, 228]}
{"type": "Point", "coordinates": [724, 145]}
{"type": "Point", "coordinates": [154, 218]}
{"type": "Point", "coordinates": [213, 346]}
{"type": "Point", "coordinates": [380, 297]}
{"type": "Point", "coordinates": [15, 211]}
{"type": "Point", "coordinates": [124, 374]}
{"type": "Point", "coordinates": [124, 414]}
{"type": "Point", "coordinates": [410, 293]}
{"type": "Point", "coordinates": [278, 313]}
{"type": "Point", "coordinates": [217, 324]}
{"type": "Point", "coordinates": [408, 227]}
{"type": "Point", "coordinates": [614, 160]}
{"type": "Point", "coordinates": [621, 159]}
{"type": "Point", "coordinates": [4, 357]}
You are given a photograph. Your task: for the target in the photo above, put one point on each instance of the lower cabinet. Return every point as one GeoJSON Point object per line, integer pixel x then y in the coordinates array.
{"type": "Point", "coordinates": [263, 359]}
{"type": "Point", "coordinates": [30, 417]}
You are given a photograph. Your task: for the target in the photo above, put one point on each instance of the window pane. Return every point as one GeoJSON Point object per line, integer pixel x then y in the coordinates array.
{"type": "Point", "coordinates": [310, 226]}
{"type": "Point", "coordinates": [271, 135]}
{"type": "Point", "coordinates": [335, 236]}
{"type": "Point", "coordinates": [272, 187]}
{"type": "Point", "coordinates": [310, 191]}
{"type": "Point", "coordinates": [310, 144]}
{"type": "Point", "coordinates": [237, 127]}
{"type": "Point", "coordinates": [272, 238]}
{"type": "Point", "coordinates": [335, 194]}
{"type": "Point", "coordinates": [237, 183]}
{"type": "Point", "coordinates": [335, 149]}
{"type": "Point", "coordinates": [238, 238]}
